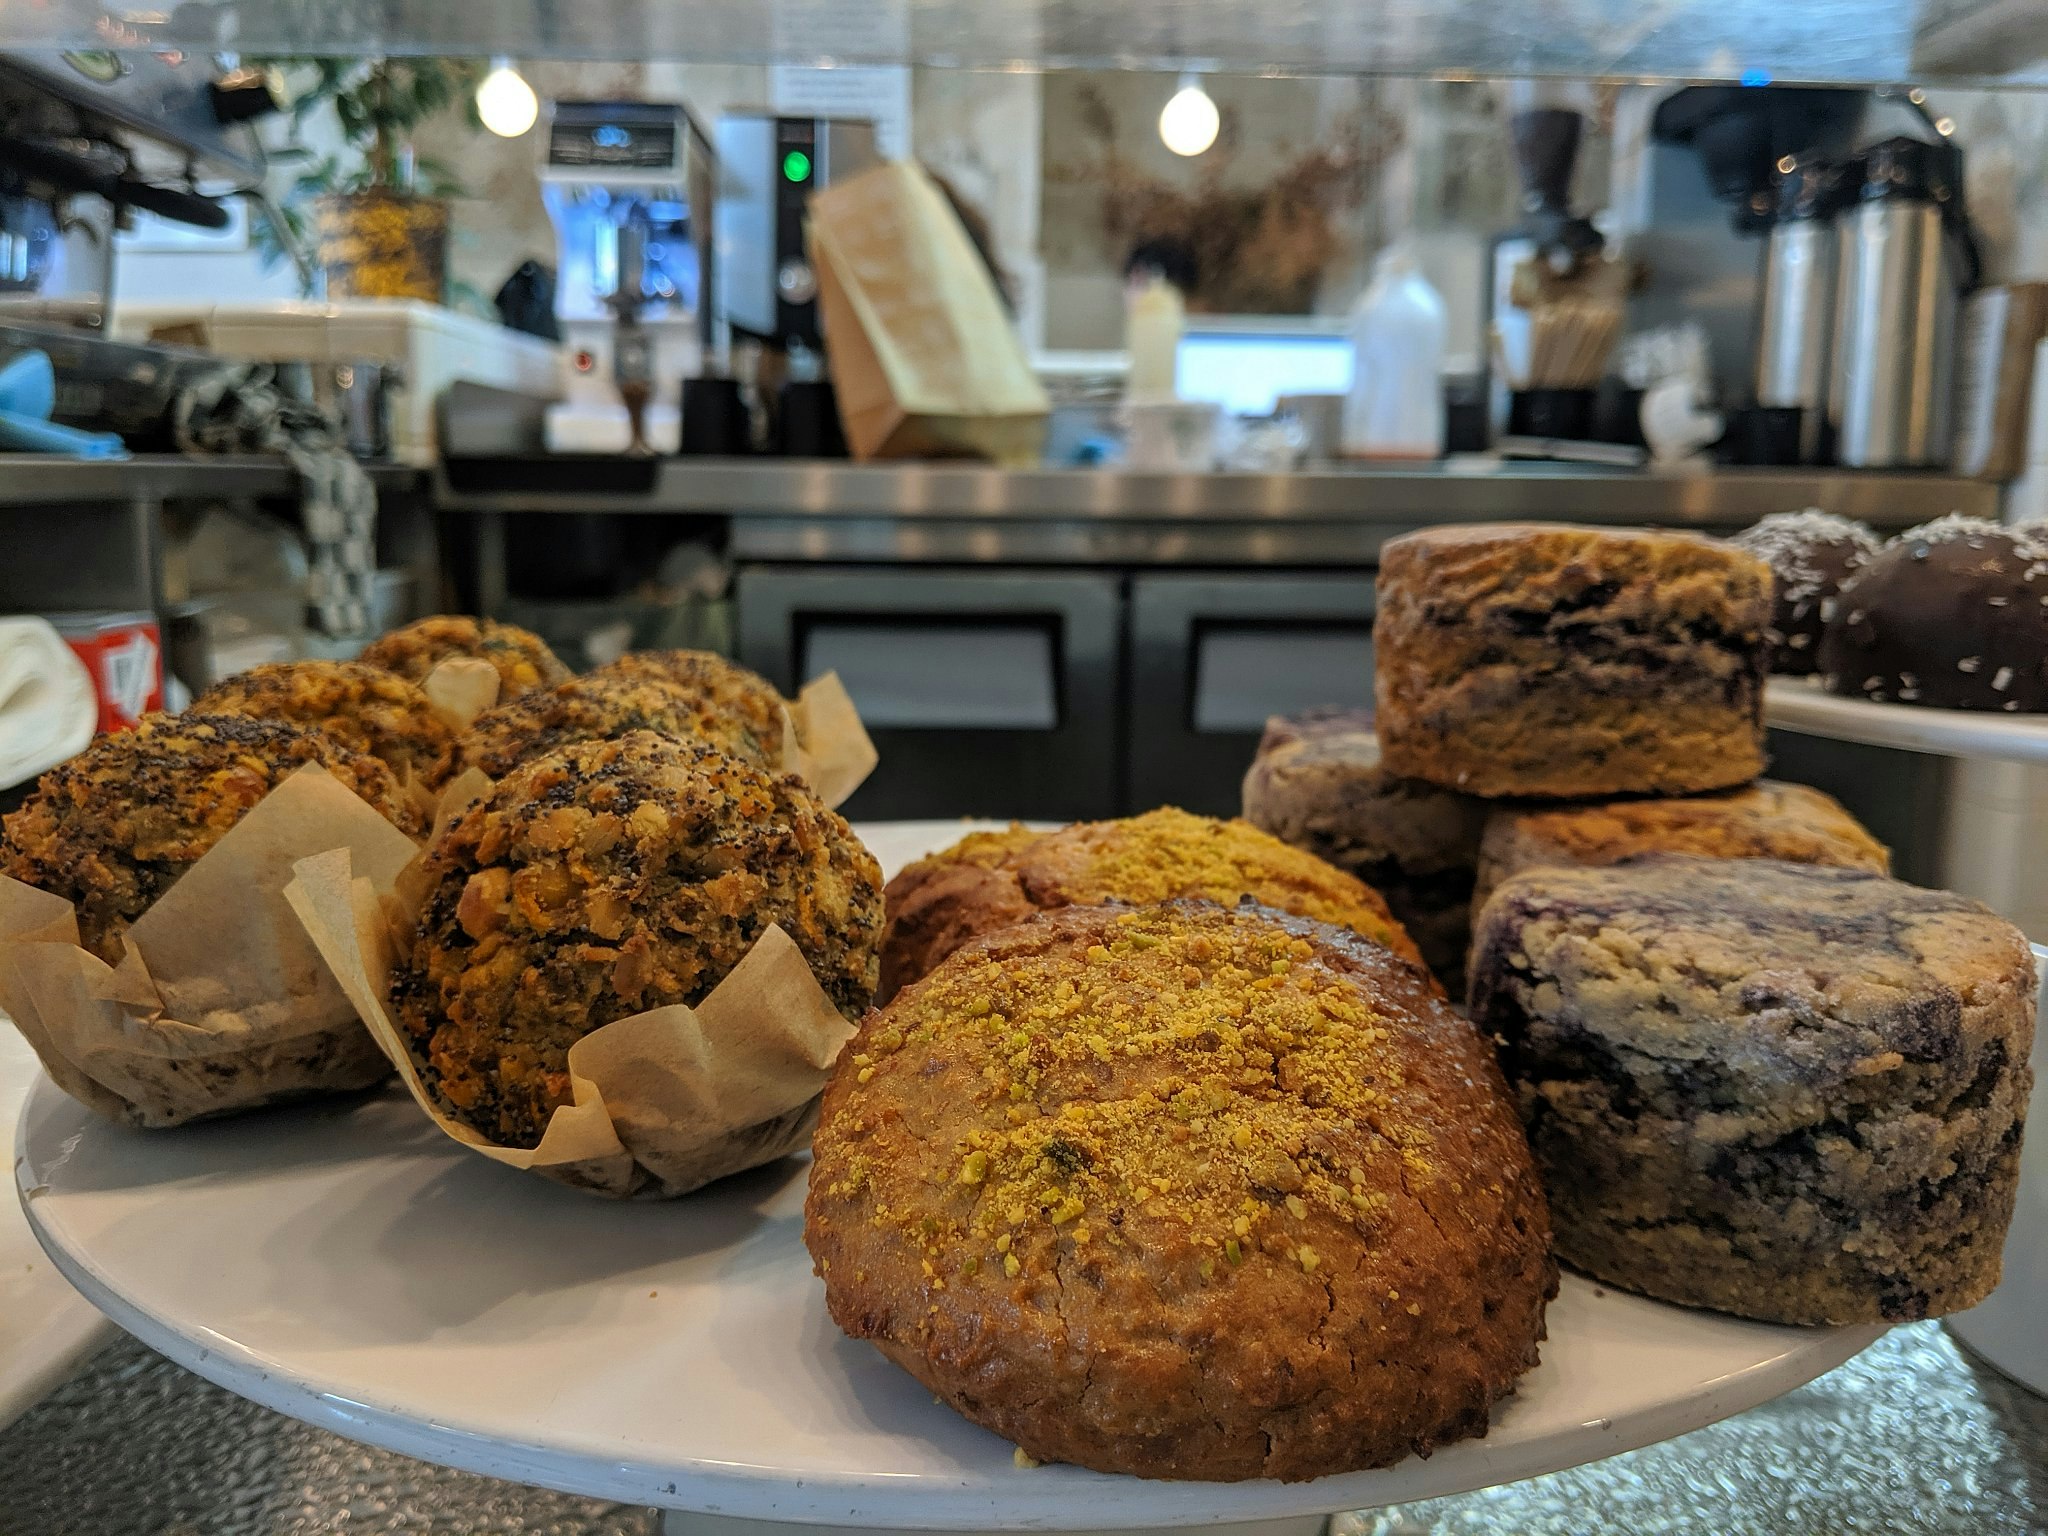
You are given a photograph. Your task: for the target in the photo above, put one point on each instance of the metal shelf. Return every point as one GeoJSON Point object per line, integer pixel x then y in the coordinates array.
{"type": "Point", "coordinates": [1835, 41]}
{"type": "Point", "coordinates": [28, 480]}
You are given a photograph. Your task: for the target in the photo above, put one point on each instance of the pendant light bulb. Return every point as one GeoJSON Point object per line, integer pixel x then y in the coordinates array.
{"type": "Point", "coordinates": [505, 101]}
{"type": "Point", "coordinates": [1189, 122]}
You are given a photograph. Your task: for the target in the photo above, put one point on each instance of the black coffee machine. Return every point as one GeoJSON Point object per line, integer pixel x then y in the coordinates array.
{"type": "Point", "coordinates": [780, 397]}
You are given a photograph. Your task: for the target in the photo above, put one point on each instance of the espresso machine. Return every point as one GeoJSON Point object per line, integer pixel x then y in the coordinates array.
{"type": "Point", "coordinates": [767, 293]}
{"type": "Point", "coordinates": [87, 138]}
{"type": "Point", "coordinates": [629, 186]}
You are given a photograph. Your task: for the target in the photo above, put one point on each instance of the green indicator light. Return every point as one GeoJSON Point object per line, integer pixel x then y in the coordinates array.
{"type": "Point", "coordinates": [796, 166]}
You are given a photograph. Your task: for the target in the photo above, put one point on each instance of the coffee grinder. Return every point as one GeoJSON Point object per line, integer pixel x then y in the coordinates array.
{"type": "Point", "coordinates": [629, 188]}
{"type": "Point", "coordinates": [1547, 121]}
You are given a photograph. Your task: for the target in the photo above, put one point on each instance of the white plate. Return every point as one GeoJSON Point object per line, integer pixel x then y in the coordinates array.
{"type": "Point", "coordinates": [349, 1265]}
{"type": "Point", "coordinates": [1799, 704]}
{"type": "Point", "coordinates": [46, 1327]}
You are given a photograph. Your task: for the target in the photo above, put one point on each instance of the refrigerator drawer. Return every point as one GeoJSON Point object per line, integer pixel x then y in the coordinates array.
{"type": "Point", "coordinates": [987, 693]}
{"type": "Point", "coordinates": [1213, 656]}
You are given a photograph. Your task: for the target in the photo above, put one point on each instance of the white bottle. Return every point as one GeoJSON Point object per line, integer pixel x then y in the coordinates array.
{"type": "Point", "coordinates": [1153, 318]}
{"type": "Point", "coordinates": [1395, 409]}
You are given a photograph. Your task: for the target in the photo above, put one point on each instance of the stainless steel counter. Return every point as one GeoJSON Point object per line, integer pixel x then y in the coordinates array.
{"type": "Point", "coordinates": [1451, 492]}
{"type": "Point", "coordinates": [799, 510]}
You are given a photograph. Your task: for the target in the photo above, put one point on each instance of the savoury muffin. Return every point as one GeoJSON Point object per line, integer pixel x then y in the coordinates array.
{"type": "Point", "coordinates": [363, 707]}
{"type": "Point", "coordinates": [991, 880]}
{"type": "Point", "coordinates": [113, 829]}
{"type": "Point", "coordinates": [1182, 1191]}
{"type": "Point", "coordinates": [603, 880]}
{"type": "Point", "coordinates": [522, 659]}
{"type": "Point", "coordinates": [598, 706]}
{"type": "Point", "coordinates": [743, 712]}
{"type": "Point", "coordinates": [1785, 1091]}
{"type": "Point", "coordinates": [1765, 820]}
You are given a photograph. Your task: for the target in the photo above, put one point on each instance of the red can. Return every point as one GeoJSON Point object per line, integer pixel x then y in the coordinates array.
{"type": "Point", "coordinates": [125, 655]}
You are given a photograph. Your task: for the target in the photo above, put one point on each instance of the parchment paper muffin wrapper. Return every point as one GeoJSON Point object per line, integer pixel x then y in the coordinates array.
{"type": "Point", "coordinates": [662, 1102]}
{"type": "Point", "coordinates": [823, 740]}
{"type": "Point", "coordinates": [221, 1002]}
{"type": "Point", "coordinates": [460, 689]}
{"type": "Point", "coordinates": [827, 744]}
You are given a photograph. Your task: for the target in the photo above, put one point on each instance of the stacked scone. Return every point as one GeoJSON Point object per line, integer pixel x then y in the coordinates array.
{"type": "Point", "coordinates": [1166, 1155]}
{"type": "Point", "coordinates": [1756, 1073]}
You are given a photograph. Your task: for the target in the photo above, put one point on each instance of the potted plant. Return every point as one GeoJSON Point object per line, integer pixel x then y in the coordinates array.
{"type": "Point", "coordinates": [378, 212]}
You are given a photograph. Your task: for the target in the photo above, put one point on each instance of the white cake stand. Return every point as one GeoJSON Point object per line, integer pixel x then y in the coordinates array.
{"type": "Point", "coordinates": [350, 1266]}
{"type": "Point", "coordinates": [1799, 704]}
{"type": "Point", "coordinates": [46, 1327]}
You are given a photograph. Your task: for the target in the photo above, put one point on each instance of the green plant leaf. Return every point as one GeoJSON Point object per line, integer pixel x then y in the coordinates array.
{"type": "Point", "coordinates": [378, 105]}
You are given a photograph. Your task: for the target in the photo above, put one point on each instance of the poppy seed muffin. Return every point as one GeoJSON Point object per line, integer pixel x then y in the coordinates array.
{"type": "Point", "coordinates": [522, 659]}
{"type": "Point", "coordinates": [990, 880]}
{"type": "Point", "coordinates": [1810, 554]}
{"type": "Point", "coordinates": [1184, 1192]}
{"type": "Point", "coordinates": [603, 880]}
{"type": "Point", "coordinates": [1317, 783]}
{"type": "Point", "coordinates": [1765, 820]}
{"type": "Point", "coordinates": [597, 706]}
{"type": "Point", "coordinates": [1550, 661]}
{"type": "Point", "coordinates": [1781, 1090]}
{"type": "Point", "coordinates": [363, 707]}
{"type": "Point", "coordinates": [743, 712]}
{"type": "Point", "coordinates": [112, 829]}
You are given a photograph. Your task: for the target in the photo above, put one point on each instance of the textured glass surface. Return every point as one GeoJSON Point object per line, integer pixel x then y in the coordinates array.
{"type": "Point", "coordinates": [1813, 40]}
{"type": "Point", "coordinates": [1911, 1438]}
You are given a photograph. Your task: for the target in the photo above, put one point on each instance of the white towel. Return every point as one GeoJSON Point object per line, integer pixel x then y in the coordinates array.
{"type": "Point", "coordinates": [47, 705]}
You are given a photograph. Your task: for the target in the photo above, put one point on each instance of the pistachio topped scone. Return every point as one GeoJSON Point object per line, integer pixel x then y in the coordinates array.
{"type": "Point", "coordinates": [594, 707]}
{"type": "Point", "coordinates": [1184, 1192]}
{"type": "Point", "coordinates": [603, 880]}
{"type": "Point", "coordinates": [522, 659]}
{"type": "Point", "coordinates": [361, 706]}
{"type": "Point", "coordinates": [990, 880]}
{"type": "Point", "coordinates": [112, 829]}
{"type": "Point", "coordinates": [1521, 660]}
{"type": "Point", "coordinates": [742, 710]}
{"type": "Point", "coordinates": [1766, 820]}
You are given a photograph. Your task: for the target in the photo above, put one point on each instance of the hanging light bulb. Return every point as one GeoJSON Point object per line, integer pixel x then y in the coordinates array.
{"type": "Point", "coordinates": [505, 101]}
{"type": "Point", "coordinates": [1188, 123]}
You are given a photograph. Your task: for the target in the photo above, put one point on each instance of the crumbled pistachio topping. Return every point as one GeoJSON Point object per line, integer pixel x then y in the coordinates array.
{"type": "Point", "coordinates": [1201, 1078]}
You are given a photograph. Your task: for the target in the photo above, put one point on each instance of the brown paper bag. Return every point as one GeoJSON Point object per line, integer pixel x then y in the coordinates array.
{"type": "Point", "coordinates": [221, 1003]}
{"type": "Point", "coordinates": [925, 361]}
{"type": "Point", "coordinates": [663, 1102]}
